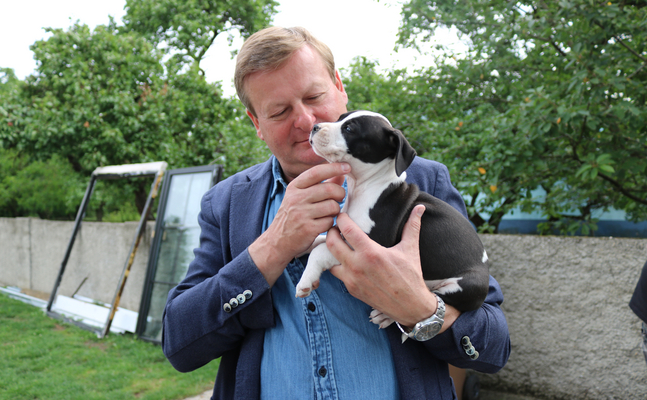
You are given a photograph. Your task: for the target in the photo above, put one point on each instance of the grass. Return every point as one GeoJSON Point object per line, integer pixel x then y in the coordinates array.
{"type": "Point", "coordinates": [43, 358]}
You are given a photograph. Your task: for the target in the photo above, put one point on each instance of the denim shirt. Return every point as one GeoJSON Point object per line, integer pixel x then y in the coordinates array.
{"type": "Point", "coordinates": [323, 346]}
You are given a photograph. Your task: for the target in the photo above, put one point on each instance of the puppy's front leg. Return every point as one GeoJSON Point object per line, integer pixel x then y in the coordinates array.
{"type": "Point", "coordinates": [320, 260]}
{"type": "Point", "coordinates": [318, 240]}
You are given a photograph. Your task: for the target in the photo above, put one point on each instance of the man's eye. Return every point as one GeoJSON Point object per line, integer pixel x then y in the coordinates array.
{"type": "Point", "coordinates": [278, 114]}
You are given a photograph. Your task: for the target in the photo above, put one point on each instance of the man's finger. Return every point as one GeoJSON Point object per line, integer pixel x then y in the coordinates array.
{"type": "Point", "coordinates": [411, 231]}
{"type": "Point", "coordinates": [349, 233]}
{"type": "Point", "coordinates": [320, 173]}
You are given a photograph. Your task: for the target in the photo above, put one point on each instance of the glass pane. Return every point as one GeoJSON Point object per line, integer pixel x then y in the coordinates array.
{"type": "Point", "coordinates": [180, 235]}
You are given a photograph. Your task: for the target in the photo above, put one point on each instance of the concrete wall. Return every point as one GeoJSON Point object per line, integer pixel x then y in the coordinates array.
{"type": "Point", "coordinates": [32, 250]}
{"type": "Point", "coordinates": [573, 335]}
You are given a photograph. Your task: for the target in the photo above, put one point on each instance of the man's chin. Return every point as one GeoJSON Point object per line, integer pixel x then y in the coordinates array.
{"type": "Point", "coordinates": [311, 158]}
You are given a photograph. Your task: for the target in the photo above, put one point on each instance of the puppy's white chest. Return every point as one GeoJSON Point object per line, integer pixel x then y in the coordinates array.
{"type": "Point", "coordinates": [362, 199]}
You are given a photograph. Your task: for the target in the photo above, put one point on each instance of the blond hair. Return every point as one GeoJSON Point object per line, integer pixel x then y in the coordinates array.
{"type": "Point", "coordinates": [269, 49]}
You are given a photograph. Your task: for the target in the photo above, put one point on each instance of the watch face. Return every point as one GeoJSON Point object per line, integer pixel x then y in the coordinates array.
{"type": "Point", "coordinates": [428, 330]}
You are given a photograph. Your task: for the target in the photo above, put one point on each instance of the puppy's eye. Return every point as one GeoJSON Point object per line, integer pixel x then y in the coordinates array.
{"type": "Point", "coordinates": [348, 129]}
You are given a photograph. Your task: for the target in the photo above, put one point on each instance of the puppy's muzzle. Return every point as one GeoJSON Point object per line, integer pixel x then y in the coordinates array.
{"type": "Point", "coordinates": [314, 130]}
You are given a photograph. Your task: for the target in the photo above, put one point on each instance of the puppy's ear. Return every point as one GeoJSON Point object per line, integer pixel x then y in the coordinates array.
{"type": "Point", "coordinates": [344, 115]}
{"type": "Point", "coordinates": [404, 153]}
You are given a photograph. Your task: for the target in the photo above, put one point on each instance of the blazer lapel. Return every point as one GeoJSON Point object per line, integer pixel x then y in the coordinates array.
{"type": "Point", "coordinates": [247, 208]}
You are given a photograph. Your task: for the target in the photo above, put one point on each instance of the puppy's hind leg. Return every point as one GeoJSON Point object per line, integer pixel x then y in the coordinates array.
{"type": "Point", "coordinates": [379, 318]}
{"type": "Point", "coordinates": [444, 286]}
{"type": "Point", "coordinates": [320, 260]}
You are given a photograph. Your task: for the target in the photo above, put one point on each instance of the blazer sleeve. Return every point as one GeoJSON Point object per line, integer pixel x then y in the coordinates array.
{"type": "Point", "coordinates": [486, 328]}
{"type": "Point", "coordinates": [196, 328]}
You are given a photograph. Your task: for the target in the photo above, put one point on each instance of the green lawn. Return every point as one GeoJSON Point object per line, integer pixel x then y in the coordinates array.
{"type": "Point", "coordinates": [43, 358]}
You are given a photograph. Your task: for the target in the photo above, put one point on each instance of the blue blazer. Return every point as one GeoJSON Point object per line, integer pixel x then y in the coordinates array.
{"type": "Point", "coordinates": [197, 330]}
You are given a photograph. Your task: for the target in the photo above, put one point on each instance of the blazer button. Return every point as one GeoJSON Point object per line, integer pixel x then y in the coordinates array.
{"type": "Point", "coordinates": [233, 303]}
{"type": "Point", "coordinates": [241, 298]}
{"type": "Point", "coordinates": [226, 307]}
{"type": "Point", "coordinates": [468, 348]}
{"type": "Point", "coordinates": [248, 294]}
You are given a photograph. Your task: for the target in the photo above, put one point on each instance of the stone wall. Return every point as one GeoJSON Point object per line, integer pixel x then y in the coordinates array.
{"type": "Point", "coordinates": [32, 251]}
{"type": "Point", "coordinates": [573, 335]}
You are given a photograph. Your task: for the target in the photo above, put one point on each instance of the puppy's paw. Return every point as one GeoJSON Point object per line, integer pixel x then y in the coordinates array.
{"type": "Point", "coordinates": [378, 318]}
{"type": "Point", "coordinates": [304, 290]}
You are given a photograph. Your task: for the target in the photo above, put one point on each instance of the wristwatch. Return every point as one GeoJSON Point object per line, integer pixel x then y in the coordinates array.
{"type": "Point", "coordinates": [428, 328]}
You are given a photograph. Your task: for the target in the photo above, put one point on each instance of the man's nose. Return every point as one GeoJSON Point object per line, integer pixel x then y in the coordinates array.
{"type": "Point", "coordinates": [305, 119]}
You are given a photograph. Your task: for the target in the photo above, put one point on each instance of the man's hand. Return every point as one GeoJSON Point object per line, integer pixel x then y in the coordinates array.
{"type": "Point", "coordinates": [310, 204]}
{"type": "Point", "coordinates": [387, 279]}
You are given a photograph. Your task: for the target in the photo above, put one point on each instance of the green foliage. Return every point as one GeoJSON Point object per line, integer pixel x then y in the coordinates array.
{"type": "Point", "coordinates": [8, 83]}
{"type": "Point", "coordinates": [90, 99]}
{"type": "Point", "coordinates": [550, 94]}
{"type": "Point", "coordinates": [10, 105]}
{"type": "Point", "coordinates": [107, 97]}
{"type": "Point", "coordinates": [47, 189]}
{"type": "Point", "coordinates": [189, 28]}
{"type": "Point", "coordinates": [43, 358]}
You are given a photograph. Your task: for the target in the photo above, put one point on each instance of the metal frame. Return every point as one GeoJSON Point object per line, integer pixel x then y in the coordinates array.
{"type": "Point", "coordinates": [153, 257]}
{"type": "Point", "coordinates": [155, 169]}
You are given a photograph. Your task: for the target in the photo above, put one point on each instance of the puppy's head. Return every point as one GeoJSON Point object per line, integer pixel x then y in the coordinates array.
{"type": "Point", "coordinates": [364, 136]}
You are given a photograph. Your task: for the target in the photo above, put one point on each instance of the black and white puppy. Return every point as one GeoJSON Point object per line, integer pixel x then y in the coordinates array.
{"type": "Point", "coordinates": [454, 262]}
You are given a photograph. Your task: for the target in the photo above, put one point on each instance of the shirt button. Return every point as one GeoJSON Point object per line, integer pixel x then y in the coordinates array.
{"type": "Point", "coordinates": [322, 371]}
{"type": "Point", "coordinates": [311, 306]}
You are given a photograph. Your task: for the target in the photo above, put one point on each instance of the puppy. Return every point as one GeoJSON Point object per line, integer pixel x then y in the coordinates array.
{"type": "Point", "coordinates": [454, 262]}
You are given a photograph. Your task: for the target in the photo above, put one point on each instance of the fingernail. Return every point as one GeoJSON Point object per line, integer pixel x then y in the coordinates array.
{"type": "Point", "coordinates": [345, 168]}
{"type": "Point", "coordinates": [420, 211]}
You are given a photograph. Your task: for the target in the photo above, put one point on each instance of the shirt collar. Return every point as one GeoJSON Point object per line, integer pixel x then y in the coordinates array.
{"type": "Point", "coordinates": [278, 184]}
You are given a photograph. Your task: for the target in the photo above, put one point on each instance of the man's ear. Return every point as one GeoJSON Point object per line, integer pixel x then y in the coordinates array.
{"type": "Point", "coordinates": [340, 86]}
{"type": "Point", "coordinates": [404, 153]}
{"type": "Point", "coordinates": [256, 124]}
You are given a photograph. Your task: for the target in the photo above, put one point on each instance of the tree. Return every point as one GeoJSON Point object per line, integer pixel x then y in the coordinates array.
{"type": "Point", "coordinates": [550, 94]}
{"type": "Point", "coordinates": [10, 106]}
{"type": "Point", "coordinates": [190, 27]}
{"type": "Point", "coordinates": [105, 97]}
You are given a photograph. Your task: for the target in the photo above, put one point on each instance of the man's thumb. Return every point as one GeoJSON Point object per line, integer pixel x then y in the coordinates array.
{"type": "Point", "coordinates": [411, 231]}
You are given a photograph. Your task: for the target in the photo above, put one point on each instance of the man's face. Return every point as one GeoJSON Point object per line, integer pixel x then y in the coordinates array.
{"type": "Point", "coordinates": [289, 102]}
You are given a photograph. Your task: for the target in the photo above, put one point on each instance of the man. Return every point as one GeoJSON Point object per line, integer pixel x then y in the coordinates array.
{"type": "Point", "coordinates": [237, 301]}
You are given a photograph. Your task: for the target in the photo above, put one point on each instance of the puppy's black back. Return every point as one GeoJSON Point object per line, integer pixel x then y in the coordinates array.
{"type": "Point", "coordinates": [449, 245]}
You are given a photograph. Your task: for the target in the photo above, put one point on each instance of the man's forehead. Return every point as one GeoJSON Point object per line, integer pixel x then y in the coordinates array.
{"type": "Point", "coordinates": [302, 75]}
